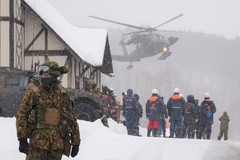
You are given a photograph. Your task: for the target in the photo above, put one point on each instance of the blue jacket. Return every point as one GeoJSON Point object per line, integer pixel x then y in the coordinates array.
{"type": "Point", "coordinates": [154, 107]}
{"type": "Point", "coordinates": [207, 106]}
{"type": "Point", "coordinates": [175, 106]}
{"type": "Point", "coordinates": [190, 113]}
{"type": "Point", "coordinates": [129, 106]}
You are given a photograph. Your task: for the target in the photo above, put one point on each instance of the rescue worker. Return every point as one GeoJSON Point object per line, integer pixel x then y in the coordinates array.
{"type": "Point", "coordinates": [139, 112]}
{"type": "Point", "coordinates": [105, 105]}
{"type": "Point", "coordinates": [175, 106]}
{"type": "Point", "coordinates": [162, 120]}
{"type": "Point", "coordinates": [224, 119]}
{"type": "Point", "coordinates": [189, 114]}
{"type": "Point", "coordinates": [90, 85]}
{"type": "Point", "coordinates": [115, 112]}
{"type": "Point", "coordinates": [124, 94]}
{"type": "Point", "coordinates": [122, 119]}
{"type": "Point", "coordinates": [112, 100]}
{"type": "Point", "coordinates": [154, 106]}
{"type": "Point", "coordinates": [45, 117]}
{"type": "Point", "coordinates": [207, 109]}
{"type": "Point", "coordinates": [130, 113]}
{"type": "Point", "coordinates": [196, 131]}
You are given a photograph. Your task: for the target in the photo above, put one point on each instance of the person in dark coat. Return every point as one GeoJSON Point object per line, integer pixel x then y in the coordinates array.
{"type": "Point", "coordinates": [189, 114]}
{"type": "Point", "coordinates": [175, 106]}
{"type": "Point", "coordinates": [105, 104]}
{"type": "Point", "coordinates": [224, 119]}
{"type": "Point", "coordinates": [154, 106]}
{"type": "Point", "coordinates": [197, 118]}
{"type": "Point", "coordinates": [139, 111]}
{"type": "Point", "coordinates": [207, 109]}
{"type": "Point", "coordinates": [162, 120]}
{"type": "Point", "coordinates": [130, 113]}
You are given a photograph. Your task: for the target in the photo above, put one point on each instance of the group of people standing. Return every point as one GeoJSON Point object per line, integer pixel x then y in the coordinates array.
{"type": "Point", "coordinates": [187, 118]}
{"type": "Point", "coordinates": [131, 109]}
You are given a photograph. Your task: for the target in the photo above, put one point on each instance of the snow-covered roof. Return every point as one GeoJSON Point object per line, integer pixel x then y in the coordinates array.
{"type": "Point", "coordinates": [89, 44]}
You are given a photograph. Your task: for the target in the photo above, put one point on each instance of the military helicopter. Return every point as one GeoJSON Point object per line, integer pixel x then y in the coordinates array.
{"type": "Point", "coordinates": [147, 42]}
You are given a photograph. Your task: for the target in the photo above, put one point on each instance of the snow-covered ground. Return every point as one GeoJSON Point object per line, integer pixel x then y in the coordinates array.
{"type": "Point", "coordinates": [101, 143]}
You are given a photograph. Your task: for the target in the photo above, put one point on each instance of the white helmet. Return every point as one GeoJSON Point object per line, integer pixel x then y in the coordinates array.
{"type": "Point", "coordinates": [155, 91]}
{"type": "Point", "coordinates": [206, 95]}
{"type": "Point", "coordinates": [176, 90]}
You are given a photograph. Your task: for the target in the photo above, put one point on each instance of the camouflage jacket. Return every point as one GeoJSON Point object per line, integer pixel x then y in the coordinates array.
{"type": "Point", "coordinates": [224, 119]}
{"type": "Point", "coordinates": [37, 99]}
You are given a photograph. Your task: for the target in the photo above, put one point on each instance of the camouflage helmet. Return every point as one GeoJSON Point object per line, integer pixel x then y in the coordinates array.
{"type": "Point", "coordinates": [51, 64]}
{"type": "Point", "coordinates": [55, 69]}
{"type": "Point", "coordinates": [91, 82]}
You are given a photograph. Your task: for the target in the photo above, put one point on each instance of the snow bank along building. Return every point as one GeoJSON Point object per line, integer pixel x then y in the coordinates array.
{"type": "Point", "coordinates": [32, 31]}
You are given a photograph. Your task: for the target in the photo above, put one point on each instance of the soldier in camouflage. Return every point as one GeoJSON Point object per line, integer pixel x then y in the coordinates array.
{"type": "Point", "coordinates": [45, 117]}
{"type": "Point", "coordinates": [224, 126]}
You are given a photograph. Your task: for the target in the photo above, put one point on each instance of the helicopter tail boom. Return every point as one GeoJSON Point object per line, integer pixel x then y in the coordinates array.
{"type": "Point", "coordinates": [123, 58]}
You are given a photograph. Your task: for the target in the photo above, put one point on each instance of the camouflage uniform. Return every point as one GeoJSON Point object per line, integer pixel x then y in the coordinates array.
{"type": "Point", "coordinates": [45, 116]}
{"type": "Point", "coordinates": [224, 119]}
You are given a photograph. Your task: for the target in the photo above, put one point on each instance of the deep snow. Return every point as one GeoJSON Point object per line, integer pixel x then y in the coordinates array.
{"type": "Point", "coordinates": [101, 143]}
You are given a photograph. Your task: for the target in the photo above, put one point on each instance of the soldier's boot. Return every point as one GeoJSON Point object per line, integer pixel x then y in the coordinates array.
{"type": "Point", "coordinates": [171, 135]}
{"type": "Point", "coordinates": [134, 132]}
{"type": "Point", "coordinates": [193, 134]}
{"type": "Point", "coordinates": [164, 133]}
{"type": "Point", "coordinates": [148, 133]}
{"type": "Point", "coordinates": [179, 134]}
{"type": "Point", "coordinates": [199, 135]}
{"type": "Point", "coordinates": [225, 137]}
{"type": "Point", "coordinates": [208, 136]}
{"type": "Point", "coordinates": [137, 133]}
{"type": "Point", "coordinates": [129, 131]}
{"type": "Point", "coordinates": [154, 132]}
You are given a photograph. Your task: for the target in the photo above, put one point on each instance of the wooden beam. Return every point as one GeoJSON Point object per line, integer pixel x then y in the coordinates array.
{"type": "Point", "coordinates": [48, 52]}
{"type": "Point", "coordinates": [34, 39]}
{"type": "Point", "coordinates": [11, 34]}
{"type": "Point", "coordinates": [46, 44]}
{"type": "Point", "coordinates": [85, 69]}
{"type": "Point", "coordinates": [4, 18]}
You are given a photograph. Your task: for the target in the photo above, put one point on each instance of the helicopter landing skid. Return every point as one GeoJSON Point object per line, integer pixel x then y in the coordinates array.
{"type": "Point", "coordinates": [165, 56]}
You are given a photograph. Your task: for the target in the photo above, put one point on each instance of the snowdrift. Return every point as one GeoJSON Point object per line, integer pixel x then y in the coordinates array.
{"type": "Point", "coordinates": [101, 143]}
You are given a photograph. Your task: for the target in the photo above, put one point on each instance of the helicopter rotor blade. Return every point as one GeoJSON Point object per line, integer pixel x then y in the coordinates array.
{"type": "Point", "coordinates": [135, 32]}
{"type": "Point", "coordinates": [169, 21]}
{"type": "Point", "coordinates": [124, 24]}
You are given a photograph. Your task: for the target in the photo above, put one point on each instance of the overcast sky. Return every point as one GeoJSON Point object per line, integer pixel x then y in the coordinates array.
{"type": "Point", "coordinates": [221, 17]}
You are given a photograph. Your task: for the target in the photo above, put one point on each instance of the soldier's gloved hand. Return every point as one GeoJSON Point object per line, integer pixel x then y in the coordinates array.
{"type": "Point", "coordinates": [23, 146]}
{"type": "Point", "coordinates": [75, 149]}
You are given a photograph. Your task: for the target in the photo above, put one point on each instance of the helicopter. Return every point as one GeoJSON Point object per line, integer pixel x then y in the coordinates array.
{"type": "Point", "coordinates": [147, 42]}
